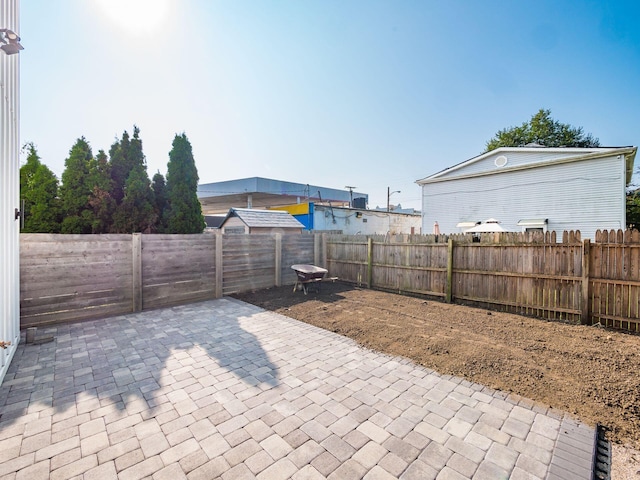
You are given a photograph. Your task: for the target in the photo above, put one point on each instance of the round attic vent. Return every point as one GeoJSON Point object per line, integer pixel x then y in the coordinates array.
{"type": "Point", "coordinates": [500, 161]}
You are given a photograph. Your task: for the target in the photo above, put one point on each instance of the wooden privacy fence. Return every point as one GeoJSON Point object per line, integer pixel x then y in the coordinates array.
{"type": "Point", "coordinates": [614, 279]}
{"type": "Point", "coordinates": [75, 277]}
{"type": "Point", "coordinates": [574, 280]}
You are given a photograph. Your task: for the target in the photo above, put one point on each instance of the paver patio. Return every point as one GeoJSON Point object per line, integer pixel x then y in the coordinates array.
{"type": "Point", "coordinates": [223, 389]}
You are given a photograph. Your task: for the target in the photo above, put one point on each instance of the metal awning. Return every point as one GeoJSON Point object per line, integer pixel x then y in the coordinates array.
{"type": "Point", "coordinates": [533, 222]}
{"type": "Point", "coordinates": [467, 224]}
{"type": "Point", "coordinates": [491, 225]}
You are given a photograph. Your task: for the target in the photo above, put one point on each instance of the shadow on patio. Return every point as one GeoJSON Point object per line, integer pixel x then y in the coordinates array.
{"type": "Point", "coordinates": [134, 362]}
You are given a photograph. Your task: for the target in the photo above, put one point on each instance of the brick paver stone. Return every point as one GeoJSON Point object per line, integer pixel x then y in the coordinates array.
{"type": "Point", "coordinates": [223, 389]}
{"type": "Point", "coordinates": [37, 471]}
{"type": "Point", "coordinates": [105, 471]}
{"type": "Point", "coordinates": [172, 472]}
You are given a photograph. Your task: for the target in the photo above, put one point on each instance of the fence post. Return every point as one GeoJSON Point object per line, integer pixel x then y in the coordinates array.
{"type": "Point", "coordinates": [324, 261]}
{"type": "Point", "coordinates": [585, 318]}
{"type": "Point", "coordinates": [370, 262]}
{"type": "Point", "coordinates": [449, 290]}
{"type": "Point", "coordinates": [218, 265]}
{"type": "Point", "coordinates": [136, 255]}
{"type": "Point", "coordinates": [317, 245]}
{"type": "Point", "coordinates": [278, 260]}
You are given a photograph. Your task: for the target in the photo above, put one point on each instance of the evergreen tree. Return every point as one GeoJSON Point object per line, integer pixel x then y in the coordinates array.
{"type": "Point", "coordinates": [102, 203]}
{"type": "Point", "coordinates": [131, 188]}
{"type": "Point", "coordinates": [125, 155]}
{"type": "Point", "coordinates": [75, 190]}
{"type": "Point", "coordinates": [159, 188]}
{"type": "Point", "coordinates": [184, 213]}
{"type": "Point", "coordinates": [136, 213]}
{"type": "Point", "coordinates": [120, 166]}
{"type": "Point", "coordinates": [39, 190]}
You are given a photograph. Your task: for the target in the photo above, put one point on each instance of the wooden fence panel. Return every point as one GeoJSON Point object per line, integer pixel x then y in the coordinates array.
{"type": "Point", "coordinates": [248, 262]}
{"type": "Point", "coordinates": [542, 278]}
{"type": "Point", "coordinates": [347, 260]}
{"type": "Point", "coordinates": [431, 263]}
{"type": "Point", "coordinates": [411, 267]}
{"type": "Point", "coordinates": [615, 280]}
{"type": "Point", "coordinates": [177, 269]}
{"type": "Point", "coordinates": [74, 277]}
{"type": "Point", "coordinates": [296, 249]}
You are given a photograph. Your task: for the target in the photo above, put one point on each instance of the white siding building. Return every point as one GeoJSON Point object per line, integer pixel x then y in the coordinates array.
{"type": "Point", "coordinates": [353, 221]}
{"type": "Point", "coordinates": [532, 188]}
{"type": "Point", "coordinates": [9, 188]}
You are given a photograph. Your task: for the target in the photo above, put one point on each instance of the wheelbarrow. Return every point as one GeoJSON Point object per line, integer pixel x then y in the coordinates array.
{"type": "Point", "coordinates": [307, 275]}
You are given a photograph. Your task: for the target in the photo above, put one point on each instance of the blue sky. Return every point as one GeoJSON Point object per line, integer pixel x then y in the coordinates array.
{"type": "Point", "coordinates": [372, 94]}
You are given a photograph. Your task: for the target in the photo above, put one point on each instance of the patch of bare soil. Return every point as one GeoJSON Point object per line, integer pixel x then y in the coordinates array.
{"type": "Point", "coordinates": [590, 372]}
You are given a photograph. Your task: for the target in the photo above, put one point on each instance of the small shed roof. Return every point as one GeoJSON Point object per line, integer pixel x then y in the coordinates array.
{"type": "Point", "coordinates": [264, 218]}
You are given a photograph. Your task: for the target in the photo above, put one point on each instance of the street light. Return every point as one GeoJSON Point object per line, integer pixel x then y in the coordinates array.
{"type": "Point", "coordinates": [389, 193]}
{"type": "Point", "coordinates": [9, 41]}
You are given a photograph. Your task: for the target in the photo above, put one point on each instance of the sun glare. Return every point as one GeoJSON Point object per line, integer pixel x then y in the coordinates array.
{"type": "Point", "coordinates": [138, 17]}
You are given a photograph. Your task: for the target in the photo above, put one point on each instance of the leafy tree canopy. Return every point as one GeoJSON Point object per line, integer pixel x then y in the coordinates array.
{"type": "Point", "coordinates": [28, 170]}
{"type": "Point", "coordinates": [633, 209]}
{"type": "Point", "coordinates": [542, 130]}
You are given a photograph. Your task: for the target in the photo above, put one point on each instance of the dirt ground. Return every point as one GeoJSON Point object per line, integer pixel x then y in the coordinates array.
{"type": "Point", "coordinates": [591, 372]}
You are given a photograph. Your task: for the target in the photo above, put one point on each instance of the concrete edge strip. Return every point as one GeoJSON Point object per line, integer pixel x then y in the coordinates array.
{"type": "Point", "coordinates": [574, 453]}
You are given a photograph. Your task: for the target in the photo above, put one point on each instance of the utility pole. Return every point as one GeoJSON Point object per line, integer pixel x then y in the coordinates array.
{"type": "Point", "coordinates": [389, 193]}
{"type": "Point", "coordinates": [350, 194]}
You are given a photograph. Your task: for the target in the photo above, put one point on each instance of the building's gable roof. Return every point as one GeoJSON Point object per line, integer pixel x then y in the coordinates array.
{"type": "Point", "coordinates": [264, 218]}
{"type": "Point", "coordinates": [510, 158]}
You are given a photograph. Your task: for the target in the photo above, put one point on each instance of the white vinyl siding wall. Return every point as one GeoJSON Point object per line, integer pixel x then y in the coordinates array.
{"type": "Point", "coordinates": [584, 195]}
{"type": "Point", "coordinates": [9, 191]}
{"type": "Point", "coordinates": [487, 164]}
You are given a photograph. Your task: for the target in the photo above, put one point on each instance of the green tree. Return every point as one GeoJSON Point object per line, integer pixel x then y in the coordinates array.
{"type": "Point", "coordinates": [76, 188]}
{"type": "Point", "coordinates": [136, 213]}
{"type": "Point", "coordinates": [102, 203]}
{"type": "Point", "coordinates": [542, 130]}
{"type": "Point", "coordinates": [633, 209]}
{"type": "Point", "coordinates": [39, 190]}
{"type": "Point", "coordinates": [121, 166]}
{"type": "Point", "coordinates": [159, 188]}
{"type": "Point", "coordinates": [131, 188]}
{"type": "Point", "coordinates": [184, 212]}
